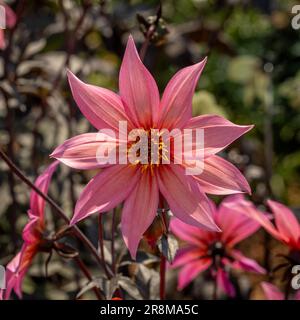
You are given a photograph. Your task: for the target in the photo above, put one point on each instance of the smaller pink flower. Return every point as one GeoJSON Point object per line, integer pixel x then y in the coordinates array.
{"type": "Point", "coordinates": [10, 19]}
{"type": "Point", "coordinates": [286, 228]}
{"type": "Point", "coordinates": [215, 250]}
{"type": "Point", "coordinates": [273, 293]}
{"type": "Point", "coordinates": [32, 236]}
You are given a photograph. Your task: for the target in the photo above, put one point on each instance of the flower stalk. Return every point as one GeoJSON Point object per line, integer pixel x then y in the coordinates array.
{"type": "Point", "coordinates": [101, 244]}
{"type": "Point", "coordinates": [86, 272]}
{"type": "Point", "coordinates": [162, 264]}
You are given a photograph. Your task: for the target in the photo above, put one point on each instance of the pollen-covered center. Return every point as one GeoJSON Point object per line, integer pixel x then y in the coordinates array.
{"type": "Point", "coordinates": [148, 149]}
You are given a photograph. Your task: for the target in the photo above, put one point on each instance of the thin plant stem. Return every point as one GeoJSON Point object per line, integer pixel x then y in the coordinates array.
{"type": "Point", "coordinates": [150, 33]}
{"type": "Point", "coordinates": [101, 242]}
{"type": "Point", "coordinates": [144, 48]}
{"type": "Point", "coordinates": [86, 272]}
{"type": "Point", "coordinates": [268, 155]}
{"type": "Point", "coordinates": [162, 265]}
{"type": "Point", "coordinates": [113, 225]}
{"type": "Point", "coordinates": [215, 289]}
{"type": "Point", "coordinates": [162, 275]}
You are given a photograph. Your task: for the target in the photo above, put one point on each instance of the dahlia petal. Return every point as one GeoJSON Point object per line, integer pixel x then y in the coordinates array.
{"type": "Point", "coordinates": [139, 211]}
{"type": "Point", "coordinates": [80, 152]}
{"type": "Point", "coordinates": [190, 271]}
{"type": "Point", "coordinates": [263, 219]}
{"type": "Point", "coordinates": [37, 203]}
{"type": "Point", "coordinates": [29, 231]}
{"type": "Point", "coordinates": [271, 292]}
{"type": "Point", "coordinates": [2, 40]}
{"type": "Point", "coordinates": [235, 224]}
{"type": "Point", "coordinates": [176, 103]}
{"type": "Point", "coordinates": [11, 17]}
{"type": "Point", "coordinates": [12, 277]}
{"type": "Point", "coordinates": [11, 282]}
{"type": "Point", "coordinates": [106, 190]}
{"type": "Point", "coordinates": [186, 255]}
{"type": "Point", "coordinates": [221, 177]}
{"type": "Point", "coordinates": [184, 197]}
{"type": "Point", "coordinates": [286, 222]}
{"type": "Point", "coordinates": [218, 132]}
{"type": "Point", "coordinates": [14, 263]}
{"type": "Point", "coordinates": [186, 232]}
{"type": "Point", "coordinates": [246, 264]}
{"type": "Point", "coordinates": [17, 281]}
{"type": "Point", "coordinates": [103, 108]}
{"type": "Point", "coordinates": [224, 283]}
{"type": "Point", "coordinates": [10, 20]}
{"type": "Point", "coordinates": [138, 89]}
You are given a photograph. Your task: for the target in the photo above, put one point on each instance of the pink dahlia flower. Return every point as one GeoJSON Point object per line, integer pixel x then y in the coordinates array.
{"type": "Point", "coordinates": [139, 186]}
{"type": "Point", "coordinates": [286, 228]}
{"type": "Point", "coordinates": [10, 20]}
{"type": "Point", "coordinates": [273, 293]}
{"type": "Point", "coordinates": [32, 237]}
{"type": "Point", "coordinates": [215, 250]}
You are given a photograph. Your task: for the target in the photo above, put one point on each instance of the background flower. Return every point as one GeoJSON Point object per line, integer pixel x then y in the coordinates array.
{"type": "Point", "coordinates": [273, 293]}
{"type": "Point", "coordinates": [32, 236]}
{"type": "Point", "coordinates": [215, 250]}
{"type": "Point", "coordinates": [287, 227]}
{"type": "Point", "coordinates": [10, 21]}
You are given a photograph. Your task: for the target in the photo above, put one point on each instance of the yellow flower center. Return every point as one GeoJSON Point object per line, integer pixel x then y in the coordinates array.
{"type": "Point", "coordinates": [149, 150]}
